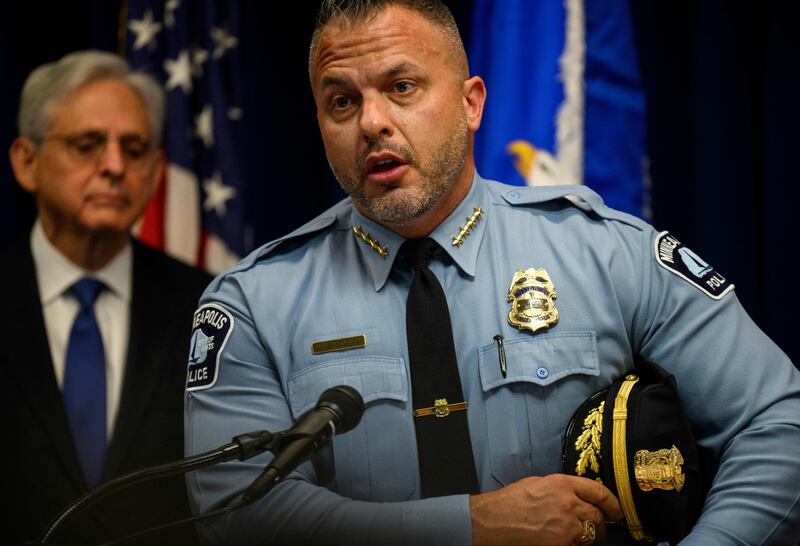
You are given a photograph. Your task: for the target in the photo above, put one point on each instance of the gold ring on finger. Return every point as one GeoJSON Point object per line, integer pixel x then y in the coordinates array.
{"type": "Point", "coordinates": [589, 532]}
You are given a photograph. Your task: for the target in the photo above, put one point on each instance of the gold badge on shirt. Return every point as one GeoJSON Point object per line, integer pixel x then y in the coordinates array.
{"type": "Point", "coordinates": [532, 296]}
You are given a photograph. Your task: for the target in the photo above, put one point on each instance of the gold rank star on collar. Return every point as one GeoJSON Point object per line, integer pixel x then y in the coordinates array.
{"type": "Point", "coordinates": [464, 231]}
{"type": "Point", "coordinates": [382, 251]}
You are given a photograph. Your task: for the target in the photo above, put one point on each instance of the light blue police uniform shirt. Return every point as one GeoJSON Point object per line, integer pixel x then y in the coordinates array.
{"type": "Point", "coordinates": [252, 368]}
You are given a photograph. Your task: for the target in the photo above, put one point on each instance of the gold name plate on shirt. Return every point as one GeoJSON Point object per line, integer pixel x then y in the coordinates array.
{"type": "Point", "coordinates": [338, 344]}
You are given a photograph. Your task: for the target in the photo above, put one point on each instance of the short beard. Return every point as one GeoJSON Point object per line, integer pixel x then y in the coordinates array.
{"type": "Point", "coordinates": [400, 208]}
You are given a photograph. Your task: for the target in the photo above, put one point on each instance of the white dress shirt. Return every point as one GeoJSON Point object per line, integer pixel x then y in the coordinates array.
{"type": "Point", "coordinates": [55, 274]}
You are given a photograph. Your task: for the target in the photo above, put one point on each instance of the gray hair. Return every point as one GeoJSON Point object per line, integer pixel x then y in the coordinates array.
{"type": "Point", "coordinates": [51, 83]}
{"type": "Point", "coordinates": [358, 11]}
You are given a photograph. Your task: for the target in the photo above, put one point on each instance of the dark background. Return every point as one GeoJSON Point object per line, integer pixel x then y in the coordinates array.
{"type": "Point", "coordinates": [721, 80]}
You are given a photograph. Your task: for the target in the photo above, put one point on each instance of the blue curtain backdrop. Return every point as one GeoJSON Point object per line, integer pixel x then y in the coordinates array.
{"type": "Point", "coordinates": [722, 88]}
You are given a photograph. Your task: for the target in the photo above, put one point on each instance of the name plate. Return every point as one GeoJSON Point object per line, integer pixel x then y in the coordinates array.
{"type": "Point", "coordinates": [339, 344]}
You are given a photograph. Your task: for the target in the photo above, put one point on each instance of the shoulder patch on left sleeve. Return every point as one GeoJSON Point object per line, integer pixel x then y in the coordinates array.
{"type": "Point", "coordinates": [211, 328]}
{"type": "Point", "coordinates": [675, 257]}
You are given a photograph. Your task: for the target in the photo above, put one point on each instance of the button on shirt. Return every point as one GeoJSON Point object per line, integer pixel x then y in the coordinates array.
{"type": "Point", "coordinates": [615, 302]}
{"type": "Point", "coordinates": [55, 274]}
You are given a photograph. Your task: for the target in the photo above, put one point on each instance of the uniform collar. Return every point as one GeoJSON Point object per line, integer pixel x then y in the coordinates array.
{"type": "Point", "coordinates": [373, 238]}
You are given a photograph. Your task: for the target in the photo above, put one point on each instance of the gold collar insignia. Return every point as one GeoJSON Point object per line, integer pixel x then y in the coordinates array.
{"type": "Point", "coordinates": [382, 251]}
{"type": "Point", "coordinates": [464, 231]}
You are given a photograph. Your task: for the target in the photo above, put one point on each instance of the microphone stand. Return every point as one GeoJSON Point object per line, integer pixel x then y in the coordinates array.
{"type": "Point", "coordinates": [338, 406]}
{"type": "Point", "coordinates": [261, 486]}
{"type": "Point", "coordinates": [243, 447]}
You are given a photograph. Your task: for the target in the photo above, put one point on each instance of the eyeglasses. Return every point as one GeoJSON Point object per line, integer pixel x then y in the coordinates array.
{"type": "Point", "coordinates": [87, 148]}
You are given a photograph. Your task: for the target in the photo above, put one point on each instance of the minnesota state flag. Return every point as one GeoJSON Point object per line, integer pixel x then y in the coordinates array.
{"type": "Point", "coordinates": [565, 102]}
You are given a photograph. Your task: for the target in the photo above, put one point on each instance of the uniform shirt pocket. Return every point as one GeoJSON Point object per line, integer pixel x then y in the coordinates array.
{"type": "Point", "coordinates": [377, 459]}
{"type": "Point", "coordinates": [547, 377]}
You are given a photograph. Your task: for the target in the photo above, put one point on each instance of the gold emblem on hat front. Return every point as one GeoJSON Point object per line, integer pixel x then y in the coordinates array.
{"type": "Point", "coordinates": [659, 469]}
{"type": "Point", "coordinates": [532, 296]}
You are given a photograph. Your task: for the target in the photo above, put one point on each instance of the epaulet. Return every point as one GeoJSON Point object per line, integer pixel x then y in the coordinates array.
{"type": "Point", "coordinates": [317, 224]}
{"type": "Point", "coordinates": [578, 196]}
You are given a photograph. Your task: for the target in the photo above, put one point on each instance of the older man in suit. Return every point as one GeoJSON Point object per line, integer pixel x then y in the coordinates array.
{"type": "Point", "coordinates": [95, 325]}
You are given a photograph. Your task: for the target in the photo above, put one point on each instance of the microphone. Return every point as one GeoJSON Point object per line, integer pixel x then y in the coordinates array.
{"type": "Point", "coordinates": [339, 409]}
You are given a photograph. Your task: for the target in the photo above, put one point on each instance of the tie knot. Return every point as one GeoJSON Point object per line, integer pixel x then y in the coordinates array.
{"type": "Point", "coordinates": [86, 290]}
{"type": "Point", "coordinates": [418, 252]}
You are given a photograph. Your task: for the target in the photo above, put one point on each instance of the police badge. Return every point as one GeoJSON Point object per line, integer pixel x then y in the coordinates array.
{"type": "Point", "coordinates": [531, 295]}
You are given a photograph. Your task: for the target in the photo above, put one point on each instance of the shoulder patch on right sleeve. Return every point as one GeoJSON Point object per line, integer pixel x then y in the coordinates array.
{"type": "Point", "coordinates": [676, 258]}
{"type": "Point", "coordinates": [211, 328]}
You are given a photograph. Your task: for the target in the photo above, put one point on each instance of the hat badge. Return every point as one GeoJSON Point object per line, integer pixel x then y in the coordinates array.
{"type": "Point", "coordinates": [659, 469]}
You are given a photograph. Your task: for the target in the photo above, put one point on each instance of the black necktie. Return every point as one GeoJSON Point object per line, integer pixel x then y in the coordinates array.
{"type": "Point", "coordinates": [446, 463]}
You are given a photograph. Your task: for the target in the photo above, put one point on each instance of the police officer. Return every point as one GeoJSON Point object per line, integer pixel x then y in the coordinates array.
{"type": "Point", "coordinates": [551, 295]}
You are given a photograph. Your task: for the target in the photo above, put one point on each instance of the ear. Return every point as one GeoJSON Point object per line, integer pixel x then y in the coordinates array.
{"type": "Point", "coordinates": [474, 92]}
{"type": "Point", "coordinates": [23, 155]}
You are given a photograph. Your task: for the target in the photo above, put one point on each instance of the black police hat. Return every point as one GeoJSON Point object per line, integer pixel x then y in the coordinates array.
{"type": "Point", "coordinates": [634, 438]}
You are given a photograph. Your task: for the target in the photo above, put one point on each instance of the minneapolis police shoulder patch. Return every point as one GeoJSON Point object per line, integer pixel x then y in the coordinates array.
{"type": "Point", "coordinates": [673, 256]}
{"type": "Point", "coordinates": [211, 328]}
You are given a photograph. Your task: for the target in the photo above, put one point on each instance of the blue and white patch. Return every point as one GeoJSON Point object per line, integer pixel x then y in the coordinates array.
{"type": "Point", "coordinates": [211, 328]}
{"type": "Point", "coordinates": [673, 256]}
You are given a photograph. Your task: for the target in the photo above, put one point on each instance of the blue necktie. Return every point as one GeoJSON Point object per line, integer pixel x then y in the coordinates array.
{"type": "Point", "coordinates": [85, 383]}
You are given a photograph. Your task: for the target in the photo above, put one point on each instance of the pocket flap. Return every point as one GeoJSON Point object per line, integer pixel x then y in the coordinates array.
{"type": "Point", "coordinates": [374, 377]}
{"type": "Point", "coordinates": [543, 359]}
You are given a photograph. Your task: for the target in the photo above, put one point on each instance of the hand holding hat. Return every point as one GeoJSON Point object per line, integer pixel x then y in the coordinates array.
{"type": "Point", "coordinates": [634, 438]}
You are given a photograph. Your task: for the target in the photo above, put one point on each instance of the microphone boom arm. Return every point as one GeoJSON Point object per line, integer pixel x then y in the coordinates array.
{"type": "Point", "coordinates": [338, 410]}
{"type": "Point", "coordinates": [242, 447]}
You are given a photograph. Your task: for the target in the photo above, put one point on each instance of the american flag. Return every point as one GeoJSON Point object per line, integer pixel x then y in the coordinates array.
{"type": "Point", "coordinates": [199, 213]}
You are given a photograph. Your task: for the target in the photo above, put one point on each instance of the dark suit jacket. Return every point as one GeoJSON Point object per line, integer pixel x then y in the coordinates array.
{"type": "Point", "coordinates": [40, 470]}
